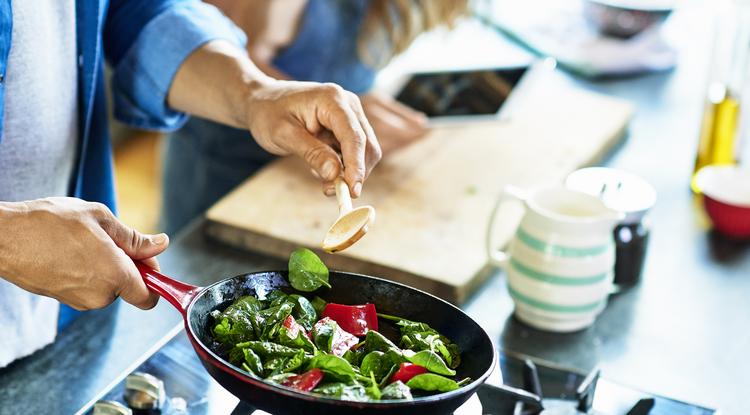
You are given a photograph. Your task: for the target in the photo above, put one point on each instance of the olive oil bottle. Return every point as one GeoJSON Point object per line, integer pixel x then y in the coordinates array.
{"type": "Point", "coordinates": [719, 139]}
{"type": "Point", "coordinates": [725, 120]}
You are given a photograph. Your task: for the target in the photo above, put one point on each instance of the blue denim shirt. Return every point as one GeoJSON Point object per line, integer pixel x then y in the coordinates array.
{"type": "Point", "coordinates": [145, 41]}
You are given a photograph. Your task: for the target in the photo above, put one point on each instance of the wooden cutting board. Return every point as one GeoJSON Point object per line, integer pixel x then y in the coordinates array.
{"type": "Point", "coordinates": [433, 199]}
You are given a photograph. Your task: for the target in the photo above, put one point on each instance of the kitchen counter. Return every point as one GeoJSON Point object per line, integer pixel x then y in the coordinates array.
{"type": "Point", "coordinates": [682, 332]}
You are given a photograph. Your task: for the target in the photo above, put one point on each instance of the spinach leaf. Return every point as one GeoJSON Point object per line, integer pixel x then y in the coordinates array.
{"type": "Point", "coordinates": [420, 336]}
{"type": "Point", "coordinates": [375, 341]}
{"type": "Point", "coordinates": [269, 320]}
{"type": "Point", "coordinates": [306, 271]}
{"type": "Point", "coordinates": [299, 342]}
{"type": "Point", "coordinates": [236, 356]}
{"type": "Point", "coordinates": [322, 334]}
{"type": "Point", "coordinates": [269, 349]}
{"type": "Point", "coordinates": [232, 328]}
{"type": "Point", "coordinates": [431, 382]}
{"type": "Point", "coordinates": [295, 362]}
{"type": "Point", "coordinates": [274, 365]}
{"type": "Point", "coordinates": [303, 311]}
{"type": "Point", "coordinates": [430, 361]}
{"type": "Point", "coordinates": [376, 364]}
{"type": "Point", "coordinates": [372, 390]}
{"type": "Point", "coordinates": [252, 362]}
{"type": "Point", "coordinates": [318, 304]}
{"type": "Point", "coordinates": [275, 298]}
{"type": "Point", "coordinates": [335, 366]}
{"type": "Point", "coordinates": [396, 390]}
{"type": "Point", "coordinates": [354, 356]}
{"type": "Point", "coordinates": [354, 392]}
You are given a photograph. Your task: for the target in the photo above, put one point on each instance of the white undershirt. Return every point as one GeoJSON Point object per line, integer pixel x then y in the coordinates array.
{"type": "Point", "coordinates": [39, 145]}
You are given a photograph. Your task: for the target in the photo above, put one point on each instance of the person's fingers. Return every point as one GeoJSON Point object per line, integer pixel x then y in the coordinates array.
{"type": "Point", "coordinates": [318, 155]}
{"type": "Point", "coordinates": [373, 152]}
{"type": "Point", "coordinates": [135, 244]}
{"type": "Point", "coordinates": [132, 288]}
{"type": "Point", "coordinates": [336, 114]}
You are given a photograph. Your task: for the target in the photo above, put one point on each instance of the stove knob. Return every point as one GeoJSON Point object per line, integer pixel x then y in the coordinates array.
{"type": "Point", "coordinates": [111, 408]}
{"type": "Point", "coordinates": [144, 391]}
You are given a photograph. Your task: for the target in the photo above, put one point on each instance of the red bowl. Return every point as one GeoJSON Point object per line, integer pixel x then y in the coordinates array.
{"type": "Point", "coordinates": [726, 197]}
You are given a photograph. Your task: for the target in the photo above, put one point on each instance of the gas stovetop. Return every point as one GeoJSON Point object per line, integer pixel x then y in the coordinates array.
{"type": "Point", "coordinates": [174, 380]}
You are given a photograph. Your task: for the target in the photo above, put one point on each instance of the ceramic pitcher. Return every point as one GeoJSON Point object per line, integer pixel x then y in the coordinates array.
{"type": "Point", "coordinates": [559, 264]}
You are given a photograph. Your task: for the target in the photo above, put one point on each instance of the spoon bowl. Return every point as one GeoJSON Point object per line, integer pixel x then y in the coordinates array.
{"type": "Point", "coordinates": [348, 229]}
{"type": "Point", "coordinates": [351, 224]}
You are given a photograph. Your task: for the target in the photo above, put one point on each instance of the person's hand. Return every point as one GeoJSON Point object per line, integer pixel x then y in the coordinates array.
{"type": "Point", "coordinates": [76, 252]}
{"type": "Point", "coordinates": [218, 81]}
{"type": "Point", "coordinates": [315, 121]}
{"type": "Point", "coordinates": [395, 124]}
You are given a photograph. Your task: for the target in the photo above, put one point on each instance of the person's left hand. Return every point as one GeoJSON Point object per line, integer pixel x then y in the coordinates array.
{"type": "Point", "coordinates": [396, 125]}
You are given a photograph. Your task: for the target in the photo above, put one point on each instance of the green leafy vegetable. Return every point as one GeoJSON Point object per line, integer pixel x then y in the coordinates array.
{"type": "Point", "coordinates": [373, 391]}
{"type": "Point", "coordinates": [420, 336]}
{"type": "Point", "coordinates": [354, 392]}
{"type": "Point", "coordinates": [432, 383]}
{"type": "Point", "coordinates": [396, 390]}
{"type": "Point", "coordinates": [318, 304]}
{"type": "Point", "coordinates": [299, 342]}
{"type": "Point", "coordinates": [354, 356]}
{"type": "Point", "coordinates": [430, 361]}
{"type": "Point", "coordinates": [375, 341]}
{"type": "Point", "coordinates": [376, 364]}
{"type": "Point", "coordinates": [335, 366]}
{"type": "Point", "coordinates": [252, 362]}
{"type": "Point", "coordinates": [306, 271]}
{"type": "Point", "coordinates": [283, 335]}
{"type": "Point", "coordinates": [295, 362]}
{"type": "Point", "coordinates": [269, 349]}
{"type": "Point", "coordinates": [303, 311]}
{"type": "Point", "coordinates": [323, 333]}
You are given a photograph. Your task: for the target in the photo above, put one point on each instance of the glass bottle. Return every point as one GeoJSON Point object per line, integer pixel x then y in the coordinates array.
{"type": "Point", "coordinates": [722, 117]}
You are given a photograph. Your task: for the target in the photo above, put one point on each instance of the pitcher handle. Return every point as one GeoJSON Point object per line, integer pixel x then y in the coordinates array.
{"type": "Point", "coordinates": [497, 256]}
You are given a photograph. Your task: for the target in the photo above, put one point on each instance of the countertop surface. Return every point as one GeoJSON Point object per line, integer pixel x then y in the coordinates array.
{"type": "Point", "coordinates": [682, 332]}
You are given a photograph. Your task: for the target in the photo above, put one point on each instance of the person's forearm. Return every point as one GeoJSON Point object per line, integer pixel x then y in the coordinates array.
{"type": "Point", "coordinates": [8, 210]}
{"type": "Point", "coordinates": [215, 82]}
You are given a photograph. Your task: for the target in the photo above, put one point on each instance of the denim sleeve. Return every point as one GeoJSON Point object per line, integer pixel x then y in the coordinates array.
{"type": "Point", "coordinates": [146, 42]}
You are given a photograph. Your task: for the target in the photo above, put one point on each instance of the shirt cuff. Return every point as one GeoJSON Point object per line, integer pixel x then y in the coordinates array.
{"type": "Point", "coordinates": [142, 79]}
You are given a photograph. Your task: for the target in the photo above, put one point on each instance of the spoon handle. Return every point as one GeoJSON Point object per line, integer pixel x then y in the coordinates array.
{"type": "Point", "coordinates": [343, 196]}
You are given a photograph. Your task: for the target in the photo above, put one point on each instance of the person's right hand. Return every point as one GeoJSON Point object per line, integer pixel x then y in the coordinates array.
{"type": "Point", "coordinates": [76, 252]}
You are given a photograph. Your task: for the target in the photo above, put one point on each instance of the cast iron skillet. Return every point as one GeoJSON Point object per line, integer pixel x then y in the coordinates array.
{"type": "Point", "coordinates": [195, 304]}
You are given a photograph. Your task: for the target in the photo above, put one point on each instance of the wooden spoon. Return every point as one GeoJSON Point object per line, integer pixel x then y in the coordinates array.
{"type": "Point", "coordinates": [351, 225]}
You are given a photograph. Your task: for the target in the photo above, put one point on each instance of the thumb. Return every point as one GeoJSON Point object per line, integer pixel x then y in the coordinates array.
{"type": "Point", "coordinates": [135, 244]}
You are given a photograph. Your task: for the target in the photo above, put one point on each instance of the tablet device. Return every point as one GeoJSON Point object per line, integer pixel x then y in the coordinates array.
{"type": "Point", "coordinates": [460, 94]}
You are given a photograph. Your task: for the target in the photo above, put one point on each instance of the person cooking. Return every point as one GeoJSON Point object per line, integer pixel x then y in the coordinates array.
{"type": "Point", "coordinates": [60, 239]}
{"type": "Point", "coordinates": [314, 40]}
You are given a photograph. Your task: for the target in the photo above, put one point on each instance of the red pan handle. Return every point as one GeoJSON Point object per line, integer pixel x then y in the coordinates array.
{"type": "Point", "coordinates": [179, 294]}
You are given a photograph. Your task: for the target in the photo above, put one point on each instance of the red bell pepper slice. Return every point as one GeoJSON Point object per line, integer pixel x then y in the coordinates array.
{"type": "Point", "coordinates": [355, 319]}
{"type": "Point", "coordinates": [304, 382]}
{"type": "Point", "coordinates": [407, 371]}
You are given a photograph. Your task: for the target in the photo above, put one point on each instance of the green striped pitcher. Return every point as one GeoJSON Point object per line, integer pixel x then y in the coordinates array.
{"type": "Point", "coordinates": [560, 262]}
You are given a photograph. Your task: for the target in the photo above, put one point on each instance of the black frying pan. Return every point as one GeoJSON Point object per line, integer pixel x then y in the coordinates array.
{"type": "Point", "coordinates": [195, 304]}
